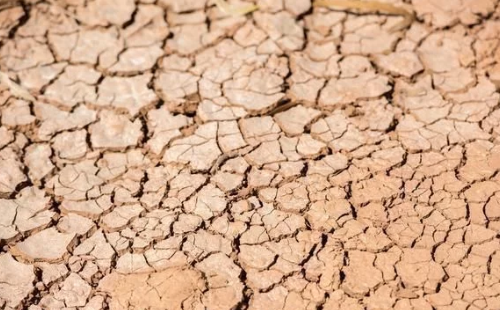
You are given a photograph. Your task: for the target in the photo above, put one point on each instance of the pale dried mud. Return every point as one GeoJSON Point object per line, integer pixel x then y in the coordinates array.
{"type": "Point", "coordinates": [298, 157]}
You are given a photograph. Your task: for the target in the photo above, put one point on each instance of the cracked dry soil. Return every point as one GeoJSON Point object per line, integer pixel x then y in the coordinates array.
{"type": "Point", "coordinates": [298, 157]}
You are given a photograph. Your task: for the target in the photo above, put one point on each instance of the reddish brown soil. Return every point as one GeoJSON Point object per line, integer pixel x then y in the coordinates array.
{"type": "Point", "coordinates": [298, 157]}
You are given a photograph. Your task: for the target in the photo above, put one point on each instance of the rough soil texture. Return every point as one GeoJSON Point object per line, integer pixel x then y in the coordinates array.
{"type": "Point", "coordinates": [177, 157]}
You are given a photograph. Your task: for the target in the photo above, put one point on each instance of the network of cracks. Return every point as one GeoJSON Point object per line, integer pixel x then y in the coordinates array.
{"type": "Point", "coordinates": [168, 155]}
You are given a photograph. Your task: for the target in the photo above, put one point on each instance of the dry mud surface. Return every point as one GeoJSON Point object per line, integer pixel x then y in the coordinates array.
{"type": "Point", "coordinates": [179, 157]}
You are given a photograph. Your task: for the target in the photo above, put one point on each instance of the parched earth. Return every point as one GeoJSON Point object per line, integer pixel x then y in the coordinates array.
{"type": "Point", "coordinates": [179, 157]}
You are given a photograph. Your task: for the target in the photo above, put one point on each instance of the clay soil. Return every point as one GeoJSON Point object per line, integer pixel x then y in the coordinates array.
{"type": "Point", "coordinates": [170, 154]}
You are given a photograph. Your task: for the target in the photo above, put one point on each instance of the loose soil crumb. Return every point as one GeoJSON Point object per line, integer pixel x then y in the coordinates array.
{"type": "Point", "coordinates": [257, 154]}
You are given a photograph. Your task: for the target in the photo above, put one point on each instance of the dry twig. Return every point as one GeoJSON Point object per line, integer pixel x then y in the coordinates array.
{"type": "Point", "coordinates": [235, 10]}
{"type": "Point", "coordinates": [372, 7]}
{"type": "Point", "coordinates": [15, 89]}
